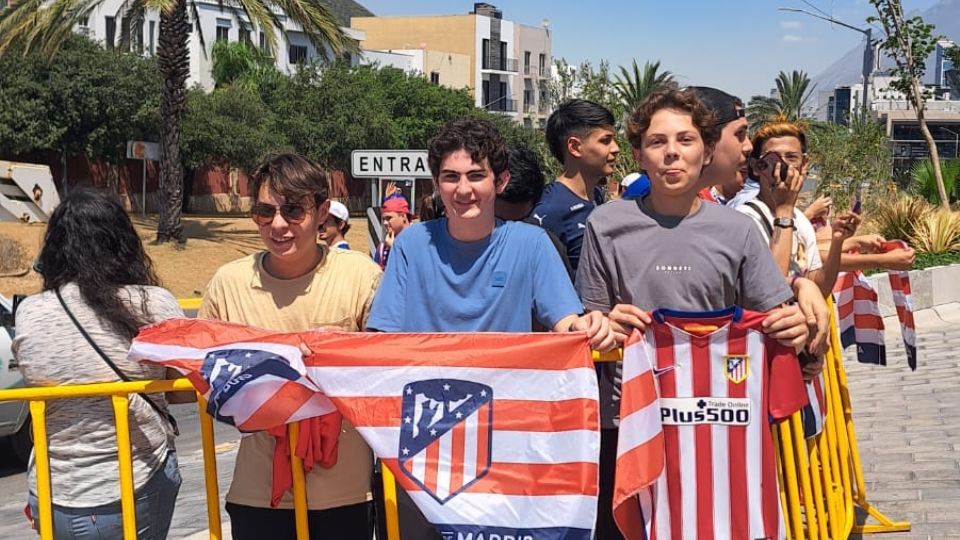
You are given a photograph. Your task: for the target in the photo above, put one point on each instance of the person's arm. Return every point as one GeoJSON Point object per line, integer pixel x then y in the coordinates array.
{"type": "Point", "coordinates": [898, 259]}
{"type": "Point", "coordinates": [781, 199]}
{"type": "Point", "coordinates": [843, 228]}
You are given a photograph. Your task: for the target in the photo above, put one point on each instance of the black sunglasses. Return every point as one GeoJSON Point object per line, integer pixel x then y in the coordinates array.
{"type": "Point", "coordinates": [264, 213]}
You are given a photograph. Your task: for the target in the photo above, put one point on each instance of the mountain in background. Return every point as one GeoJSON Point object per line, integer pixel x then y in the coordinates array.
{"type": "Point", "coordinates": [344, 9]}
{"type": "Point", "coordinates": [945, 16]}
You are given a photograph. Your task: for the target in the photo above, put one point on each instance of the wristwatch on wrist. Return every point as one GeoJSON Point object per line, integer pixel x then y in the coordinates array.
{"type": "Point", "coordinates": [783, 222]}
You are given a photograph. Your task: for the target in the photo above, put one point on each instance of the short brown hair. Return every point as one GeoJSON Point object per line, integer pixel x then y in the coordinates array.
{"type": "Point", "coordinates": [672, 98]}
{"type": "Point", "coordinates": [291, 175]}
{"type": "Point", "coordinates": [479, 138]}
{"type": "Point", "coordinates": [773, 130]}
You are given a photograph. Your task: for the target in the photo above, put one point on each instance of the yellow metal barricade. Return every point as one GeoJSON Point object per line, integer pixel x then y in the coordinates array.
{"type": "Point", "coordinates": [820, 480]}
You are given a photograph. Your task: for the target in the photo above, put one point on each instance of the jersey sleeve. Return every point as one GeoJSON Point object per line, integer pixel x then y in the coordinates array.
{"type": "Point", "coordinates": [787, 391]}
{"type": "Point", "coordinates": [553, 294]}
{"type": "Point", "coordinates": [389, 308]}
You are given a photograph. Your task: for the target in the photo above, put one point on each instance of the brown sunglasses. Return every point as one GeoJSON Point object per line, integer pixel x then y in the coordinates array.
{"type": "Point", "coordinates": [264, 213]}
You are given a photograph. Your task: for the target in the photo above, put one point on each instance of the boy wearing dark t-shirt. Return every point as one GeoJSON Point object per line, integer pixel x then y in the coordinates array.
{"type": "Point", "coordinates": [581, 135]}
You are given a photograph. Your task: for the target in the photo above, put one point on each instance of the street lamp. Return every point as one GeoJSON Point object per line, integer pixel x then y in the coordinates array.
{"type": "Point", "coordinates": [867, 51]}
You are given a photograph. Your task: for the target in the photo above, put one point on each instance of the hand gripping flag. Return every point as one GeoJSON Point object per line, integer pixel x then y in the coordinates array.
{"type": "Point", "coordinates": [640, 452]}
{"type": "Point", "coordinates": [491, 435]}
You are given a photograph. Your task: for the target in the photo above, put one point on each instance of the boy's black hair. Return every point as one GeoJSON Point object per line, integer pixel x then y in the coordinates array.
{"type": "Point", "coordinates": [575, 117]}
{"type": "Point", "coordinates": [477, 137]}
{"type": "Point", "coordinates": [526, 177]}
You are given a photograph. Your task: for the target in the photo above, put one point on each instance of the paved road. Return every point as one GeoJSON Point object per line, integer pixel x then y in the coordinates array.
{"type": "Point", "coordinates": [907, 426]}
{"type": "Point", "coordinates": [909, 431]}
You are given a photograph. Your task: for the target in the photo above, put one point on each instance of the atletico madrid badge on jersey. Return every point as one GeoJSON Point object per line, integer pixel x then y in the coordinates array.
{"type": "Point", "coordinates": [737, 367]}
{"type": "Point", "coordinates": [446, 435]}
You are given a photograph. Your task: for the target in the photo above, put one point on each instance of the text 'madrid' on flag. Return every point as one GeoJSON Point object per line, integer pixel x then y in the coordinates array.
{"type": "Point", "coordinates": [251, 378]}
{"type": "Point", "coordinates": [492, 435]}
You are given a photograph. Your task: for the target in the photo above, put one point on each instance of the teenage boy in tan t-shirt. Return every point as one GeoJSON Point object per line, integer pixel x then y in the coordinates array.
{"type": "Point", "coordinates": [296, 285]}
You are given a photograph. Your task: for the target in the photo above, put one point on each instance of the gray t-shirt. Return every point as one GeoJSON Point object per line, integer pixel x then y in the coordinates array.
{"type": "Point", "coordinates": [82, 437]}
{"type": "Point", "coordinates": [708, 260]}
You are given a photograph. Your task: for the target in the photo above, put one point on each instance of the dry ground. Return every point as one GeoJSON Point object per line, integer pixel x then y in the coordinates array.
{"type": "Point", "coordinates": [211, 242]}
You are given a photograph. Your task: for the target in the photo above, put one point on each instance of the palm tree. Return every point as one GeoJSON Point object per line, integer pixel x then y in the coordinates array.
{"type": "Point", "coordinates": [791, 98]}
{"type": "Point", "coordinates": [633, 86]}
{"type": "Point", "coordinates": [43, 25]}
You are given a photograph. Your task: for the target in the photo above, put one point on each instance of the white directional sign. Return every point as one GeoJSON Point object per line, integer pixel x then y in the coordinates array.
{"type": "Point", "coordinates": [386, 163]}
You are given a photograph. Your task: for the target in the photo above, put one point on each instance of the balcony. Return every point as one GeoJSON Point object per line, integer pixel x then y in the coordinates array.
{"type": "Point", "coordinates": [502, 105]}
{"type": "Point", "coordinates": [509, 65]}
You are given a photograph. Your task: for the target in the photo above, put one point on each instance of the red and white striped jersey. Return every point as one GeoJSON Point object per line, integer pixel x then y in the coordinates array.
{"type": "Point", "coordinates": [721, 381]}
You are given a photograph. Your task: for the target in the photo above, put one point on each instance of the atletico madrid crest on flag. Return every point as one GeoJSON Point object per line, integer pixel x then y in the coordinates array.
{"type": "Point", "coordinates": [738, 367]}
{"type": "Point", "coordinates": [445, 435]}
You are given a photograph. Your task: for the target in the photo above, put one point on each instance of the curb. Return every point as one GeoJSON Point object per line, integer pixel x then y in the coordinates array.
{"type": "Point", "coordinates": [931, 288]}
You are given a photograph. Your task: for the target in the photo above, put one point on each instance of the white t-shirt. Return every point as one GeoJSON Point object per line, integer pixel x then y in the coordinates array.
{"type": "Point", "coordinates": [804, 255]}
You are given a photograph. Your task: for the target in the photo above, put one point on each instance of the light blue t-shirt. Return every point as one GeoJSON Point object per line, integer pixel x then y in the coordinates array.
{"type": "Point", "coordinates": [434, 283]}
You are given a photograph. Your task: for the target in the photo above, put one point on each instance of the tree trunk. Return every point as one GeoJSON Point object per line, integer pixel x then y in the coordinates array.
{"type": "Point", "coordinates": [174, 59]}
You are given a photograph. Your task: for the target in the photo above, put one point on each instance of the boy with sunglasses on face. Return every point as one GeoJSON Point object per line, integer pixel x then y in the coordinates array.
{"type": "Point", "coordinates": [296, 284]}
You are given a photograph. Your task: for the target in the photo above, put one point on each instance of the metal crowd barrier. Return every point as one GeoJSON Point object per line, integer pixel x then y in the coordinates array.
{"type": "Point", "coordinates": [821, 480]}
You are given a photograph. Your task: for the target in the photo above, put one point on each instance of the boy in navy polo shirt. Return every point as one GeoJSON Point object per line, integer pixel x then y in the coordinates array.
{"type": "Point", "coordinates": [581, 135]}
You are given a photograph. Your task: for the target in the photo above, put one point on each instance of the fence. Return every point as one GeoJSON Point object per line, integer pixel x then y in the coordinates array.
{"type": "Point", "coordinates": [821, 479]}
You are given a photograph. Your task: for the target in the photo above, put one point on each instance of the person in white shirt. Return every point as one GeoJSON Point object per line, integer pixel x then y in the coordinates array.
{"type": "Point", "coordinates": [334, 229]}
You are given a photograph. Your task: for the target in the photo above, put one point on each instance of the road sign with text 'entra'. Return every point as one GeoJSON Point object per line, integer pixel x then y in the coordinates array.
{"type": "Point", "coordinates": [385, 163]}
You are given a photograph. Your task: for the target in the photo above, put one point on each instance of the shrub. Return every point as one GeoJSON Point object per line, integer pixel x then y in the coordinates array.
{"type": "Point", "coordinates": [926, 184]}
{"type": "Point", "coordinates": [937, 232]}
{"type": "Point", "coordinates": [897, 218]}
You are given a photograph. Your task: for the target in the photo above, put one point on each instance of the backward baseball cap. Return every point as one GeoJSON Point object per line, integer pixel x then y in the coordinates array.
{"type": "Point", "coordinates": [725, 108]}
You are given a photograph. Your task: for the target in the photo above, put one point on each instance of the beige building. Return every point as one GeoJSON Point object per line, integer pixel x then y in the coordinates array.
{"type": "Point", "coordinates": [505, 65]}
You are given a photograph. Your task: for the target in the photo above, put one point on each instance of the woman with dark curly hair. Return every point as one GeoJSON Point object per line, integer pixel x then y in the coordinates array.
{"type": "Point", "coordinates": [99, 289]}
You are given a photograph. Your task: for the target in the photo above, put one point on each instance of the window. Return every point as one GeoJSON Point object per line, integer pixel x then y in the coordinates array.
{"type": "Point", "coordinates": [110, 24]}
{"type": "Point", "coordinates": [526, 62]}
{"type": "Point", "coordinates": [263, 41]}
{"type": "Point", "coordinates": [485, 97]}
{"type": "Point", "coordinates": [298, 54]}
{"type": "Point", "coordinates": [223, 33]}
{"type": "Point", "coordinates": [245, 35]}
{"type": "Point", "coordinates": [503, 55]}
{"type": "Point", "coordinates": [153, 37]}
{"type": "Point", "coordinates": [526, 97]}
{"type": "Point", "coordinates": [435, 77]}
{"type": "Point", "coordinates": [84, 22]}
{"type": "Point", "coordinates": [543, 63]}
{"type": "Point", "coordinates": [485, 54]}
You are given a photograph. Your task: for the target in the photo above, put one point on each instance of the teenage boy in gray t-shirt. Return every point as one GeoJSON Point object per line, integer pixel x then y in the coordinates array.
{"type": "Point", "coordinates": [671, 250]}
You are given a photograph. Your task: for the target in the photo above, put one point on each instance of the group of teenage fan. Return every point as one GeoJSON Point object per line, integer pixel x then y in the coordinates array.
{"type": "Point", "coordinates": [503, 253]}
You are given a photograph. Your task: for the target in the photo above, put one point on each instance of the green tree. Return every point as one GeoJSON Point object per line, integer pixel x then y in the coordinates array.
{"type": "Point", "coordinates": [844, 157]}
{"type": "Point", "coordinates": [792, 96]}
{"type": "Point", "coordinates": [909, 42]}
{"type": "Point", "coordinates": [563, 86]}
{"type": "Point", "coordinates": [229, 126]}
{"type": "Point", "coordinates": [239, 62]}
{"type": "Point", "coordinates": [89, 102]}
{"type": "Point", "coordinates": [43, 26]}
{"type": "Point", "coordinates": [634, 85]}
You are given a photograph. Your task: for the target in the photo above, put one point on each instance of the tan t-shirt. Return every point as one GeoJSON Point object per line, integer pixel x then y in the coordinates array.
{"type": "Point", "coordinates": [337, 294]}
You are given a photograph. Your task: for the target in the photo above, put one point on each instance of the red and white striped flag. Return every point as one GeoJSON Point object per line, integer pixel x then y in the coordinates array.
{"type": "Point", "coordinates": [253, 379]}
{"type": "Point", "coordinates": [640, 453]}
{"type": "Point", "coordinates": [858, 317]}
{"type": "Point", "coordinates": [900, 287]}
{"type": "Point", "coordinates": [492, 435]}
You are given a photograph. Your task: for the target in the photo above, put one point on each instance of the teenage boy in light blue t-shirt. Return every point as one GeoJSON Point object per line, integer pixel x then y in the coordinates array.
{"type": "Point", "coordinates": [471, 272]}
{"type": "Point", "coordinates": [468, 271]}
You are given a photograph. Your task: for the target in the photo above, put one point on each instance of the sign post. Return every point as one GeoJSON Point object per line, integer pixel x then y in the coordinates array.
{"type": "Point", "coordinates": [144, 151]}
{"type": "Point", "coordinates": [401, 167]}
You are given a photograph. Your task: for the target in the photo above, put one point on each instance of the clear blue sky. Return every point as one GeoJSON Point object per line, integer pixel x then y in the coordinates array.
{"type": "Point", "coordinates": [736, 45]}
